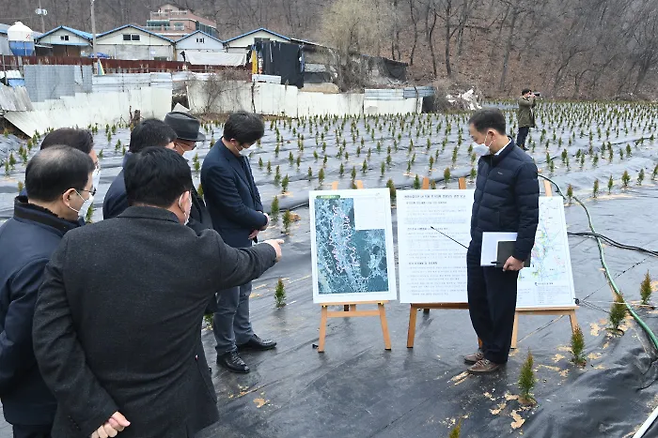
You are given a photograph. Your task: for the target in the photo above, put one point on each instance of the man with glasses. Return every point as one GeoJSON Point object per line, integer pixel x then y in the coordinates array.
{"type": "Point", "coordinates": [237, 215]}
{"type": "Point", "coordinates": [58, 180]}
{"type": "Point", "coordinates": [188, 133]}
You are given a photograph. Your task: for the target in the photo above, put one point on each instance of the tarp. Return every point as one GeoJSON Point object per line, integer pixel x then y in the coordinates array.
{"type": "Point", "coordinates": [216, 58]}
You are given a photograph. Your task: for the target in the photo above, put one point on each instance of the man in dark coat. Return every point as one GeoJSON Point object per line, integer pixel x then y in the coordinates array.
{"type": "Point", "coordinates": [188, 134]}
{"type": "Point", "coordinates": [506, 200]}
{"type": "Point", "coordinates": [525, 116]}
{"type": "Point", "coordinates": [150, 132]}
{"type": "Point", "coordinates": [80, 139]}
{"type": "Point", "coordinates": [59, 182]}
{"type": "Point", "coordinates": [237, 215]}
{"type": "Point", "coordinates": [117, 320]}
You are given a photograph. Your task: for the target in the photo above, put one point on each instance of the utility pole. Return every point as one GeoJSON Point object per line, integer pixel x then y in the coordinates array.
{"type": "Point", "coordinates": [93, 31]}
{"type": "Point", "coordinates": [42, 12]}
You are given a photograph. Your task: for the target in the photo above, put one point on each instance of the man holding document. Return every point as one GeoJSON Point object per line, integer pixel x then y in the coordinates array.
{"type": "Point", "coordinates": [506, 207]}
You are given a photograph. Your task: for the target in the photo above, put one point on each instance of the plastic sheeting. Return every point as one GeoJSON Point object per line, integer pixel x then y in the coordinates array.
{"type": "Point", "coordinates": [216, 58]}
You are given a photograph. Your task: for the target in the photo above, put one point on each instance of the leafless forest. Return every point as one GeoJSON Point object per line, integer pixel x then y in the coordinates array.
{"type": "Point", "coordinates": [565, 48]}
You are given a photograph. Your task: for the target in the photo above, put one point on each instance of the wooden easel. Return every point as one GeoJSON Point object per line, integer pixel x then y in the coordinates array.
{"type": "Point", "coordinates": [413, 311]}
{"type": "Point", "coordinates": [349, 309]}
{"type": "Point", "coordinates": [569, 311]}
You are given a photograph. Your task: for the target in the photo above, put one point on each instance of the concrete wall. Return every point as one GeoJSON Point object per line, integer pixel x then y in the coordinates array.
{"type": "Point", "coordinates": [274, 99]}
{"type": "Point", "coordinates": [88, 109]}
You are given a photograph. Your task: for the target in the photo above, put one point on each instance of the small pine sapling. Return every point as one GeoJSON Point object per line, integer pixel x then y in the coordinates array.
{"type": "Point", "coordinates": [646, 289]}
{"type": "Point", "coordinates": [417, 182]}
{"type": "Point", "coordinates": [570, 193]}
{"type": "Point", "coordinates": [287, 221]}
{"type": "Point", "coordinates": [611, 184]}
{"type": "Point", "coordinates": [280, 294]}
{"type": "Point", "coordinates": [578, 347]}
{"type": "Point", "coordinates": [391, 188]}
{"type": "Point", "coordinates": [640, 177]}
{"type": "Point", "coordinates": [617, 314]}
{"type": "Point", "coordinates": [625, 179]}
{"type": "Point", "coordinates": [446, 175]}
{"type": "Point", "coordinates": [527, 381]}
{"type": "Point", "coordinates": [595, 189]}
{"type": "Point", "coordinates": [274, 210]}
{"type": "Point", "coordinates": [284, 184]}
{"type": "Point", "coordinates": [456, 431]}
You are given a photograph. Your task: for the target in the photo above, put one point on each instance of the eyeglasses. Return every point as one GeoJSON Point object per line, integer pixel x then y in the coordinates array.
{"type": "Point", "coordinates": [92, 192]}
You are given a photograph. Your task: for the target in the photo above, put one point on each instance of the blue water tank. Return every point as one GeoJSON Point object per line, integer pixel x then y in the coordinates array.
{"type": "Point", "coordinates": [21, 40]}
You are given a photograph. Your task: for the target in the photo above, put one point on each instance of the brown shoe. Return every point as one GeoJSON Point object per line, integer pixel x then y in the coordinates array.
{"type": "Point", "coordinates": [472, 359]}
{"type": "Point", "coordinates": [484, 366]}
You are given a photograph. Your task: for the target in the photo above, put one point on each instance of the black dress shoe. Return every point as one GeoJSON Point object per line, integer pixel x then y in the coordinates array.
{"type": "Point", "coordinates": [233, 362]}
{"type": "Point", "coordinates": [257, 344]}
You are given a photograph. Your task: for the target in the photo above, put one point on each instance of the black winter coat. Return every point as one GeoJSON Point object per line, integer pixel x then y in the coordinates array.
{"type": "Point", "coordinates": [507, 198]}
{"type": "Point", "coordinates": [26, 243]}
{"type": "Point", "coordinates": [116, 326]}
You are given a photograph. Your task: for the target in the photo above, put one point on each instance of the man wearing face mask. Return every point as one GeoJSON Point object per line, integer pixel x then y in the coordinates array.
{"type": "Point", "coordinates": [80, 139]}
{"type": "Point", "coordinates": [188, 134]}
{"type": "Point", "coordinates": [237, 215]}
{"type": "Point", "coordinates": [58, 180]}
{"type": "Point", "coordinates": [506, 200]}
{"type": "Point", "coordinates": [150, 132]}
{"type": "Point", "coordinates": [116, 344]}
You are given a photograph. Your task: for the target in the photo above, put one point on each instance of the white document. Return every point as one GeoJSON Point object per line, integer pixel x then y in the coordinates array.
{"type": "Point", "coordinates": [433, 267]}
{"type": "Point", "coordinates": [490, 246]}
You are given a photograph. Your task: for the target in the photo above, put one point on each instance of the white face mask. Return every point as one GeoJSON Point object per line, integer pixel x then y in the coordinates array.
{"type": "Point", "coordinates": [186, 213]}
{"type": "Point", "coordinates": [96, 177]}
{"type": "Point", "coordinates": [189, 155]}
{"type": "Point", "coordinates": [86, 205]}
{"type": "Point", "coordinates": [482, 149]}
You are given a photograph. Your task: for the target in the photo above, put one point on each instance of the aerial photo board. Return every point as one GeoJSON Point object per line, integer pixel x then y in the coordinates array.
{"type": "Point", "coordinates": [352, 246]}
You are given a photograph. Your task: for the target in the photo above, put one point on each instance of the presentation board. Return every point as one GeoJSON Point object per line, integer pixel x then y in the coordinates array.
{"type": "Point", "coordinates": [433, 267]}
{"type": "Point", "coordinates": [353, 258]}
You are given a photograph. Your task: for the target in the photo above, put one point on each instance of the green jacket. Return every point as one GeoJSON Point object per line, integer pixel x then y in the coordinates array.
{"type": "Point", "coordinates": [526, 115]}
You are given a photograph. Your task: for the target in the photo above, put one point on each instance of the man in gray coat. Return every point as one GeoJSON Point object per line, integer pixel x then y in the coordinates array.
{"type": "Point", "coordinates": [116, 324]}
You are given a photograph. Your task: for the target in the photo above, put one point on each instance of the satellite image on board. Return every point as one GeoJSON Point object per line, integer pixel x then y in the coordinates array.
{"type": "Point", "coordinates": [349, 260]}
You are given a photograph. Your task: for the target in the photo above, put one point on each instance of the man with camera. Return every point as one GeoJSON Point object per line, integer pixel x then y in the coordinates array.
{"type": "Point", "coordinates": [526, 116]}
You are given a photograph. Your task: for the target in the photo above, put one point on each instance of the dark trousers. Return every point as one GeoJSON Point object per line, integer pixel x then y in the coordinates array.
{"type": "Point", "coordinates": [521, 136]}
{"type": "Point", "coordinates": [32, 431]}
{"type": "Point", "coordinates": [231, 324]}
{"type": "Point", "coordinates": [491, 304]}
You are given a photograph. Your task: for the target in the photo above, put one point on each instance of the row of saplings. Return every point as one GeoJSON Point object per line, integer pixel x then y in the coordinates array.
{"type": "Point", "coordinates": [527, 379]}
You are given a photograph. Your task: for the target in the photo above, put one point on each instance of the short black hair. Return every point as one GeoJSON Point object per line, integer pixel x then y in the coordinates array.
{"type": "Point", "coordinates": [151, 132]}
{"type": "Point", "coordinates": [525, 91]}
{"type": "Point", "coordinates": [56, 169]}
{"type": "Point", "coordinates": [488, 118]}
{"type": "Point", "coordinates": [244, 127]}
{"type": "Point", "coordinates": [79, 139]}
{"type": "Point", "coordinates": [156, 176]}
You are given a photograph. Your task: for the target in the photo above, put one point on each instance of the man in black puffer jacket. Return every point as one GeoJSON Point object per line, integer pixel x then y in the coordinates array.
{"type": "Point", "coordinates": [506, 200]}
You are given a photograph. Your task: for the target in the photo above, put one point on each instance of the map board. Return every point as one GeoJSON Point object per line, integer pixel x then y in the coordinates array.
{"type": "Point", "coordinates": [433, 267]}
{"type": "Point", "coordinates": [352, 250]}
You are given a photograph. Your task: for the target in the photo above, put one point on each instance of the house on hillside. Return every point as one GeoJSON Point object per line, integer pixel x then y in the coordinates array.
{"type": "Point", "coordinates": [132, 42]}
{"type": "Point", "coordinates": [243, 43]}
{"type": "Point", "coordinates": [195, 43]}
{"type": "Point", "coordinates": [66, 41]}
{"type": "Point", "coordinates": [173, 22]}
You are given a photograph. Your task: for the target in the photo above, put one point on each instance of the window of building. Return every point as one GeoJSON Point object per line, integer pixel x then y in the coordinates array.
{"type": "Point", "coordinates": [135, 37]}
{"type": "Point", "coordinates": [200, 40]}
{"type": "Point", "coordinates": [64, 37]}
{"type": "Point", "coordinates": [126, 37]}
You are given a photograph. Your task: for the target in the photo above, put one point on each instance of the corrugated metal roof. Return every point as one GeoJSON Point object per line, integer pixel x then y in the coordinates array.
{"type": "Point", "coordinates": [197, 32]}
{"type": "Point", "coordinates": [77, 32]}
{"type": "Point", "coordinates": [257, 30]}
{"type": "Point", "coordinates": [14, 99]}
{"type": "Point", "coordinates": [134, 26]}
{"type": "Point", "coordinates": [384, 94]}
{"type": "Point", "coordinates": [411, 92]}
